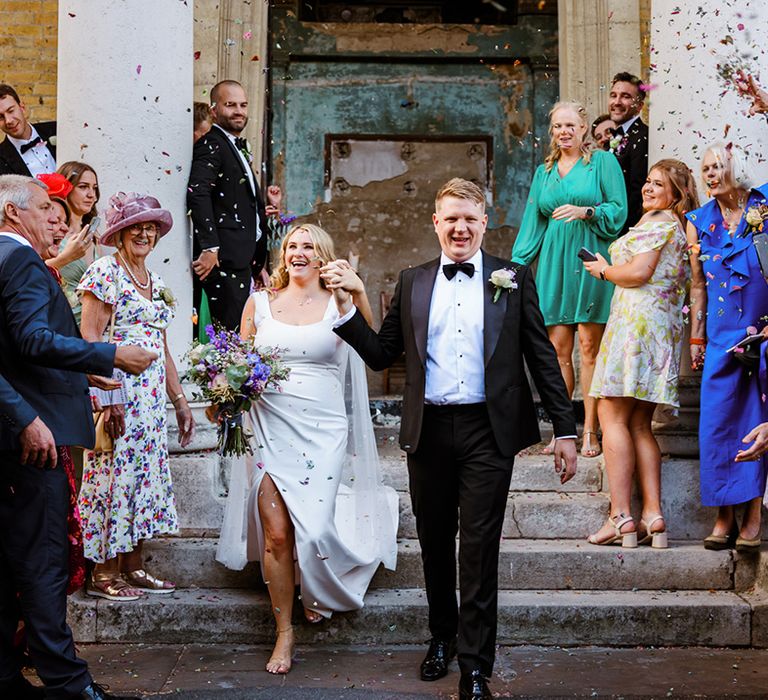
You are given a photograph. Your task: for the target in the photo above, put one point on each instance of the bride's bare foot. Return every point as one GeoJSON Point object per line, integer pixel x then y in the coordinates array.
{"type": "Point", "coordinates": [282, 654]}
{"type": "Point", "coordinates": [313, 617]}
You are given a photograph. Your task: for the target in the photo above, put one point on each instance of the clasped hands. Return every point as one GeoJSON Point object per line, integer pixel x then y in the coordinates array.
{"type": "Point", "coordinates": [340, 277]}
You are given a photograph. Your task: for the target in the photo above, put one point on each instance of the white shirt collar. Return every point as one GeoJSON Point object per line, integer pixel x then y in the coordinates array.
{"type": "Point", "coordinates": [231, 137]}
{"type": "Point", "coordinates": [16, 236]}
{"type": "Point", "coordinates": [18, 143]}
{"type": "Point", "coordinates": [627, 125]}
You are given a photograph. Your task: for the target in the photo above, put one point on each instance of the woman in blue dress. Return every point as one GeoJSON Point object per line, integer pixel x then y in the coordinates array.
{"type": "Point", "coordinates": [729, 300]}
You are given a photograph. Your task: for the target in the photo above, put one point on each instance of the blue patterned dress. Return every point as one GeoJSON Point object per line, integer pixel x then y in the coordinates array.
{"type": "Point", "coordinates": [733, 399]}
{"type": "Point", "coordinates": [127, 495]}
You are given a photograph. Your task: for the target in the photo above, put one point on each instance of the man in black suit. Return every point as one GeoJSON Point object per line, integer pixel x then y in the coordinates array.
{"type": "Point", "coordinates": [625, 103]}
{"type": "Point", "coordinates": [28, 149]}
{"type": "Point", "coordinates": [44, 404]}
{"type": "Point", "coordinates": [467, 410]}
{"type": "Point", "coordinates": [229, 222]}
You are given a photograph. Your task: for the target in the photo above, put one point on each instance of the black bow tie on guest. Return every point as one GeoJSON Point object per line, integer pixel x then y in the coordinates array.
{"type": "Point", "coordinates": [241, 144]}
{"type": "Point", "coordinates": [451, 269]}
{"type": "Point", "coordinates": [30, 144]}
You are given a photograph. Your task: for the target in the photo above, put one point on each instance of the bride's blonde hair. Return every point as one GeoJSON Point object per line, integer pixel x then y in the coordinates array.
{"type": "Point", "coordinates": [323, 249]}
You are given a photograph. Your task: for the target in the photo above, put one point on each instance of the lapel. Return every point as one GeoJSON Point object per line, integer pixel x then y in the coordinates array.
{"type": "Point", "coordinates": [421, 299]}
{"type": "Point", "coordinates": [46, 131]}
{"type": "Point", "coordinates": [493, 313]}
{"type": "Point", "coordinates": [13, 158]}
{"type": "Point", "coordinates": [233, 150]}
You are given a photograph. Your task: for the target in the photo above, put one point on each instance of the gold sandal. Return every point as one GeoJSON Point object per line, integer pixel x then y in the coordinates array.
{"type": "Point", "coordinates": [586, 445]}
{"type": "Point", "coordinates": [147, 582]}
{"type": "Point", "coordinates": [110, 586]}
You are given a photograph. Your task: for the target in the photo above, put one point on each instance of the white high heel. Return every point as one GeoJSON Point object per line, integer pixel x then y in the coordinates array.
{"type": "Point", "coordinates": [658, 540]}
{"type": "Point", "coordinates": [626, 539]}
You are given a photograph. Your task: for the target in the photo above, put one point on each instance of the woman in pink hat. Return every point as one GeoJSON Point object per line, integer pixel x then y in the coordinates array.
{"type": "Point", "coordinates": [126, 496]}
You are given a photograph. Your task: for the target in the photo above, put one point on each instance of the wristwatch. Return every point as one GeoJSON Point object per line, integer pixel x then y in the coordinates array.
{"type": "Point", "coordinates": [589, 213]}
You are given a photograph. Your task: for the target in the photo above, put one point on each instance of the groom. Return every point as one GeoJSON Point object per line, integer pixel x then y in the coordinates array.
{"type": "Point", "coordinates": [467, 410]}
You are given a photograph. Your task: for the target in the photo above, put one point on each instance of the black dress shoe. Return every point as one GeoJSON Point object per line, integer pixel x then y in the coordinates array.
{"type": "Point", "coordinates": [21, 689]}
{"type": "Point", "coordinates": [439, 655]}
{"type": "Point", "coordinates": [96, 692]}
{"type": "Point", "coordinates": [473, 686]}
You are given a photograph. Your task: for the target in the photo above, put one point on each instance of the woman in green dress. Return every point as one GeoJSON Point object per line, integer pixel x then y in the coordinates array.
{"type": "Point", "coordinates": [577, 200]}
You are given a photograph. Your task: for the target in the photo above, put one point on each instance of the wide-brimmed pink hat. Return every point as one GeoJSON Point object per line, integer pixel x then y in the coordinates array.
{"type": "Point", "coordinates": [127, 209]}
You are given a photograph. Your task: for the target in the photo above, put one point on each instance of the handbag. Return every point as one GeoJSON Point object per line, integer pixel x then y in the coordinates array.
{"type": "Point", "coordinates": [104, 442]}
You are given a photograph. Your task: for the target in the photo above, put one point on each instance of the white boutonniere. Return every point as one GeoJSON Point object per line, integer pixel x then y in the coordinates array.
{"type": "Point", "coordinates": [502, 279]}
{"type": "Point", "coordinates": [52, 140]}
{"type": "Point", "coordinates": [167, 297]}
{"type": "Point", "coordinates": [756, 217]}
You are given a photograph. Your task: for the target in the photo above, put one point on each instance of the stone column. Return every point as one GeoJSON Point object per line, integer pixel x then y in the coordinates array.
{"type": "Point", "coordinates": [597, 39]}
{"type": "Point", "coordinates": [691, 106]}
{"type": "Point", "coordinates": [124, 107]}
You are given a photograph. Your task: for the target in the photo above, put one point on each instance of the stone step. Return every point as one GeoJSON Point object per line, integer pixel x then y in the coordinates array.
{"type": "Point", "coordinates": [398, 616]}
{"type": "Point", "coordinates": [523, 565]}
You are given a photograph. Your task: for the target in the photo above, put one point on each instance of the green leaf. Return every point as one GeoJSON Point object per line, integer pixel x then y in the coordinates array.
{"type": "Point", "coordinates": [236, 375]}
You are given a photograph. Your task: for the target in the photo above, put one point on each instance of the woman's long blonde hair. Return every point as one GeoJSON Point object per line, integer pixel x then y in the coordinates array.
{"type": "Point", "coordinates": [554, 149]}
{"type": "Point", "coordinates": [683, 185]}
{"type": "Point", "coordinates": [323, 249]}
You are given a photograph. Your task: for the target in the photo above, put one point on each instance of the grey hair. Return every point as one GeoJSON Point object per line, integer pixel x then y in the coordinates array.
{"type": "Point", "coordinates": [14, 190]}
{"type": "Point", "coordinates": [736, 165]}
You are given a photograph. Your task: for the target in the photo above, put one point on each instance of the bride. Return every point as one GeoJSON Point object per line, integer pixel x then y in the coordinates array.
{"type": "Point", "coordinates": [309, 504]}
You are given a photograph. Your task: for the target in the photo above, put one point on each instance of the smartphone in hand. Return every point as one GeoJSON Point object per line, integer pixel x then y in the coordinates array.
{"type": "Point", "coordinates": [93, 227]}
{"type": "Point", "coordinates": [586, 255]}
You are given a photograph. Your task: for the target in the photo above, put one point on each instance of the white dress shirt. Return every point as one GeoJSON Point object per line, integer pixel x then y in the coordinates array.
{"type": "Point", "coordinates": [38, 158]}
{"type": "Point", "coordinates": [455, 362]}
{"type": "Point", "coordinates": [248, 172]}
{"type": "Point", "coordinates": [627, 125]}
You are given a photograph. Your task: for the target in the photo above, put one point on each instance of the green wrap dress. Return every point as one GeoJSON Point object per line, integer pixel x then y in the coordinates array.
{"type": "Point", "coordinates": [568, 294]}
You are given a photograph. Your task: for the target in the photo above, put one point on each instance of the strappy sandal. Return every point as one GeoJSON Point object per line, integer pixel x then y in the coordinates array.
{"type": "Point", "coordinates": [657, 540]}
{"type": "Point", "coordinates": [589, 451]}
{"type": "Point", "coordinates": [147, 582]}
{"type": "Point", "coordinates": [626, 539]}
{"type": "Point", "coordinates": [110, 586]}
{"type": "Point", "coordinates": [280, 665]}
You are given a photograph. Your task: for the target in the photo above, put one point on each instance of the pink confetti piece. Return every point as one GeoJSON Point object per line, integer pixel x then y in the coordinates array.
{"type": "Point", "coordinates": [138, 69]}
{"type": "Point", "coordinates": [751, 330]}
{"type": "Point", "coordinates": [247, 35]}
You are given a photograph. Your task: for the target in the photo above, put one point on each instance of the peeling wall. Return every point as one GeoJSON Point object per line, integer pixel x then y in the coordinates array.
{"type": "Point", "coordinates": [369, 120]}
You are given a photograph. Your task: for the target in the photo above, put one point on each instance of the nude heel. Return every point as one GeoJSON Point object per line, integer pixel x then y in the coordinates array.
{"type": "Point", "coordinates": [626, 539]}
{"type": "Point", "coordinates": [657, 540]}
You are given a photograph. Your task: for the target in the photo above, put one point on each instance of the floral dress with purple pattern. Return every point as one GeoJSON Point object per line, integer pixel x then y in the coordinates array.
{"type": "Point", "coordinates": [127, 495]}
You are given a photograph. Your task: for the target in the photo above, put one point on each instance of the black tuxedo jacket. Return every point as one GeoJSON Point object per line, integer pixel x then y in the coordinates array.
{"type": "Point", "coordinates": [11, 162]}
{"type": "Point", "coordinates": [633, 160]}
{"type": "Point", "coordinates": [42, 354]}
{"type": "Point", "coordinates": [513, 331]}
{"type": "Point", "coordinates": [224, 207]}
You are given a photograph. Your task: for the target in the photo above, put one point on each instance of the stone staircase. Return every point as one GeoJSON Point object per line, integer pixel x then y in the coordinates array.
{"type": "Point", "coordinates": [555, 589]}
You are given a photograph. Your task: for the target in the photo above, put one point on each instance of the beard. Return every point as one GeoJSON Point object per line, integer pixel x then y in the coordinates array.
{"type": "Point", "coordinates": [231, 125]}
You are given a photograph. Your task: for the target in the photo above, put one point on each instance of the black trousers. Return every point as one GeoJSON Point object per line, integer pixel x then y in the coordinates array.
{"type": "Point", "coordinates": [34, 560]}
{"type": "Point", "coordinates": [227, 291]}
{"type": "Point", "coordinates": [459, 483]}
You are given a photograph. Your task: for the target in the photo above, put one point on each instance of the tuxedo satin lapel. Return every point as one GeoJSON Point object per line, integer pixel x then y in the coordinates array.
{"type": "Point", "coordinates": [493, 313]}
{"type": "Point", "coordinates": [421, 298]}
{"type": "Point", "coordinates": [233, 150]}
{"type": "Point", "coordinates": [13, 158]}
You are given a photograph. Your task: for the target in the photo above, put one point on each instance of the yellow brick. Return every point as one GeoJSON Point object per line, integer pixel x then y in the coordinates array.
{"type": "Point", "coordinates": [28, 30]}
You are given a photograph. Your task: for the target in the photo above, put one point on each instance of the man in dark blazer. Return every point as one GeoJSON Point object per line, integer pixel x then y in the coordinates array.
{"type": "Point", "coordinates": [44, 405]}
{"type": "Point", "coordinates": [625, 102]}
{"type": "Point", "coordinates": [229, 223]}
{"type": "Point", "coordinates": [28, 149]}
{"type": "Point", "coordinates": [467, 410]}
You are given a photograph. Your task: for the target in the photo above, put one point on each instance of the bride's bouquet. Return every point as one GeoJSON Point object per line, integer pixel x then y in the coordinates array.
{"type": "Point", "coordinates": [232, 374]}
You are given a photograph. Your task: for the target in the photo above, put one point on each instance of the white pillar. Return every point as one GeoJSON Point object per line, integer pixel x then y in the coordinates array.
{"type": "Point", "coordinates": [124, 107]}
{"type": "Point", "coordinates": [690, 107]}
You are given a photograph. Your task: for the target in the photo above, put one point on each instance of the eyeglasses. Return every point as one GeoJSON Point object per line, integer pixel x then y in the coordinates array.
{"type": "Point", "coordinates": [136, 229]}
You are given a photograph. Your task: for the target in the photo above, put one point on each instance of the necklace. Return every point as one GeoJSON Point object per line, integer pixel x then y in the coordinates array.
{"type": "Point", "coordinates": [143, 286]}
{"type": "Point", "coordinates": [307, 300]}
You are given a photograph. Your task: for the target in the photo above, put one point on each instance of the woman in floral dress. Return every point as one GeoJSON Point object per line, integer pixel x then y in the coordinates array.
{"type": "Point", "coordinates": [639, 359]}
{"type": "Point", "coordinates": [126, 495]}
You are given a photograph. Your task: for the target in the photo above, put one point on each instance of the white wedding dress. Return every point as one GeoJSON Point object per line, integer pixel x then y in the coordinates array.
{"type": "Point", "coordinates": [315, 440]}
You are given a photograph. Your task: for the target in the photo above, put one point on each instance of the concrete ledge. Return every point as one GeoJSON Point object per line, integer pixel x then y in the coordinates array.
{"type": "Point", "coordinates": [523, 565]}
{"type": "Point", "coordinates": [621, 618]}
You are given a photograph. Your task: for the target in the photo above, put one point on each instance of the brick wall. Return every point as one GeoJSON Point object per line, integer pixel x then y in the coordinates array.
{"type": "Point", "coordinates": [28, 53]}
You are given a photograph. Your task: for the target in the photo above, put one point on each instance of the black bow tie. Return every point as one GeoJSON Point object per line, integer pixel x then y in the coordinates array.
{"type": "Point", "coordinates": [451, 269]}
{"type": "Point", "coordinates": [30, 144]}
{"type": "Point", "coordinates": [241, 144]}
